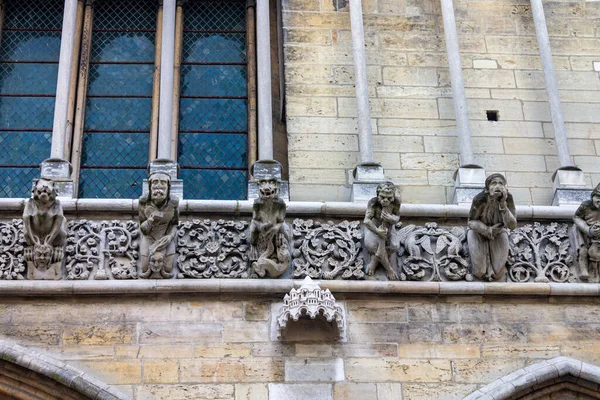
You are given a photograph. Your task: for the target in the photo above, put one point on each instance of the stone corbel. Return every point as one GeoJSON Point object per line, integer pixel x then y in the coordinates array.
{"type": "Point", "coordinates": [311, 304]}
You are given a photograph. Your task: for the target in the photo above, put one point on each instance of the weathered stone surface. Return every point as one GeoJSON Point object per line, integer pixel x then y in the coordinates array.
{"type": "Point", "coordinates": [490, 333]}
{"type": "Point", "coordinates": [438, 351]}
{"type": "Point", "coordinates": [355, 391]}
{"type": "Point", "coordinates": [314, 370]}
{"type": "Point", "coordinates": [435, 391]}
{"type": "Point", "coordinates": [118, 372]}
{"type": "Point", "coordinates": [185, 392]}
{"type": "Point", "coordinates": [376, 311]}
{"type": "Point", "coordinates": [244, 391]}
{"type": "Point", "coordinates": [162, 333]}
{"type": "Point", "coordinates": [483, 371]}
{"type": "Point", "coordinates": [99, 334]}
{"type": "Point", "coordinates": [402, 370]}
{"type": "Point", "coordinates": [300, 391]}
{"type": "Point", "coordinates": [231, 370]}
{"type": "Point", "coordinates": [160, 371]}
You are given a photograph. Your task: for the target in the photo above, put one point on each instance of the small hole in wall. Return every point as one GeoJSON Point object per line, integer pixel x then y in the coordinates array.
{"type": "Point", "coordinates": [492, 115]}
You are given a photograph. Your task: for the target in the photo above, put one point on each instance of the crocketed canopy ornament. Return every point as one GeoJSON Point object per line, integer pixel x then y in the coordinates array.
{"type": "Point", "coordinates": [311, 302]}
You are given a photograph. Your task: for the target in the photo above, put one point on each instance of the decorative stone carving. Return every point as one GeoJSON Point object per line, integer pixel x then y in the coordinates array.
{"type": "Point", "coordinates": [311, 302]}
{"type": "Point", "coordinates": [159, 217]}
{"type": "Point", "coordinates": [381, 223]}
{"type": "Point", "coordinates": [327, 250]}
{"type": "Point", "coordinates": [213, 249]}
{"type": "Point", "coordinates": [540, 253]}
{"type": "Point", "coordinates": [94, 248]}
{"type": "Point", "coordinates": [12, 241]}
{"type": "Point", "coordinates": [585, 237]}
{"type": "Point", "coordinates": [45, 232]}
{"type": "Point", "coordinates": [434, 254]}
{"type": "Point", "coordinates": [492, 214]}
{"type": "Point", "coordinates": [269, 237]}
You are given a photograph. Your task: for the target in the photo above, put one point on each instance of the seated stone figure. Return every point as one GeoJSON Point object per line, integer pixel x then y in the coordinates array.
{"type": "Point", "coordinates": [159, 217]}
{"type": "Point", "coordinates": [270, 236]}
{"type": "Point", "coordinates": [585, 237]}
{"type": "Point", "coordinates": [380, 237]}
{"type": "Point", "coordinates": [45, 232]}
{"type": "Point", "coordinates": [492, 215]}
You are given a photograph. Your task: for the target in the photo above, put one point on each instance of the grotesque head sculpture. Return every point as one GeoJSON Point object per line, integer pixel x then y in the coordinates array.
{"type": "Point", "coordinates": [44, 191]}
{"type": "Point", "coordinates": [495, 185]}
{"type": "Point", "coordinates": [596, 197]}
{"type": "Point", "coordinates": [268, 188]}
{"type": "Point", "coordinates": [159, 187]}
{"type": "Point", "coordinates": [42, 256]}
{"type": "Point", "coordinates": [386, 193]}
{"type": "Point", "coordinates": [157, 262]}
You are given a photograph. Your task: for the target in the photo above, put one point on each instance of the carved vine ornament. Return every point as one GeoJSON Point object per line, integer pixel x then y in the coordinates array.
{"type": "Point", "coordinates": [491, 248]}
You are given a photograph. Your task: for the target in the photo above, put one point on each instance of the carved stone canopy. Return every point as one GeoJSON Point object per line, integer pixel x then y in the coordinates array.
{"type": "Point", "coordinates": [311, 303]}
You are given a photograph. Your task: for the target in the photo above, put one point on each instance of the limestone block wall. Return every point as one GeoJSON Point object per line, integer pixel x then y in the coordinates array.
{"type": "Point", "coordinates": [411, 102]}
{"type": "Point", "coordinates": [210, 346]}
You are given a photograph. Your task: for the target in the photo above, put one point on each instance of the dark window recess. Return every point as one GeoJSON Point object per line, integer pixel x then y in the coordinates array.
{"type": "Point", "coordinates": [492, 115]}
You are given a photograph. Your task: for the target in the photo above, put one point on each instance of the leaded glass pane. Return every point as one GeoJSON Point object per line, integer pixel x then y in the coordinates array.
{"type": "Point", "coordinates": [29, 52]}
{"type": "Point", "coordinates": [215, 115]}
{"type": "Point", "coordinates": [213, 150]}
{"type": "Point", "coordinates": [214, 184]}
{"type": "Point", "coordinates": [214, 80]}
{"type": "Point", "coordinates": [213, 123]}
{"type": "Point", "coordinates": [111, 183]}
{"type": "Point", "coordinates": [119, 99]}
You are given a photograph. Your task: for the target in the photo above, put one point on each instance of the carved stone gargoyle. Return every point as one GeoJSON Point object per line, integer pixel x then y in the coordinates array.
{"type": "Point", "coordinates": [270, 236]}
{"type": "Point", "coordinates": [159, 217]}
{"type": "Point", "coordinates": [585, 237]}
{"type": "Point", "coordinates": [45, 232]}
{"type": "Point", "coordinates": [380, 237]}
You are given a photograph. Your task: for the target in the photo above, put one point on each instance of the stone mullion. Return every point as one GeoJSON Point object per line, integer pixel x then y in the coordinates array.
{"type": "Point", "coordinates": [251, 68]}
{"type": "Point", "coordinates": [177, 78]}
{"type": "Point", "coordinates": [165, 113]}
{"type": "Point", "coordinates": [74, 75]}
{"type": "Point", "coordinates": [82, 86]}
{"type": "Point", "coordinates": [156, 86]}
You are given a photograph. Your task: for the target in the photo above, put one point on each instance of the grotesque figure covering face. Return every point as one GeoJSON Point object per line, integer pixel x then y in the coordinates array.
{"type": "Point", "coordinates": [492, 214]}
{"type": "Point", "coordinates": [381, 238]}
{"type": "Point", "coordinates": [45, 232]}
{"type": "Point", "coordinates": [585, 237]}
{"type": "Point", "coordinates": [270, 236]}
{"type": "Point", "coordinates": [159, 217]}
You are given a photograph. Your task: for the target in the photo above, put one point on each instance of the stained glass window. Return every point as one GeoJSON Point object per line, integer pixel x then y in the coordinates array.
{"type": "Point", "coordinates": [213, 141]}
{"type": "Point", "coordinates": [29, 53]}
{"type": "Point", "coordinates": [119, 99]}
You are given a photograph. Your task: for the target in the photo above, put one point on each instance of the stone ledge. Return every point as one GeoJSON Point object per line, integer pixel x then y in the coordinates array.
{"type": "Point", "coordinates": [294, 208]}
{"type": "Point", "coordinates": [282, 286]}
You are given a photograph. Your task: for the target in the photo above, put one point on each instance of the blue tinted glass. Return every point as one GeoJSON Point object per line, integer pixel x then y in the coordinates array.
{"type": "Point", "coordinates": [30, 45]}
{"type": "Point", "coordinates": [111, 183]}
{"type": "Point", "coordinates": [213, 150]}
{"type": "Point", "coordinates": [215, 15]}
{"type": "Point", "coordinates": [28, 78]}
{"type": "Point", "coordinates": [123, 46]}
{"type": "Point", "coordinates": [32, 14]}
{"type": "Point", "coordinates": [119, 79]}
{"type": "Point", "coordinates": [214, 47]}
{"type": "Point", "coordinates": [214, 184]}
{"type": "Point", "coordinates": [125, 14]}
{"type": "Point", "coordinates": [17, 182]}
{"type": "Point", "coordinates": [24, 148]}
{"type": "Point", "coordinates": [115, 149]}
{"type": "Point", "coordinates": [26, 112]}
{"type": "Point", "coordinates": [213, 115]}
{"type": "Point", "coordinates": [125, 114]}
{"type": "Point", "coordinates": [213, 80]}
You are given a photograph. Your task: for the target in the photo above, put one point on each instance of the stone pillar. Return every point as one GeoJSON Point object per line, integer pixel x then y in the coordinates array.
{"type": "Point", "coordinates": [263, 57]}
{"type": "Point", "coordinates": [368, 174]}
{"type": "Point", "coordinates": [166, 80]}
{"type": "Point", "coordinates": [56, 167]}
{"type": "Point", "coordinates": [568, 181]}
{"type": "Point", "coordinates": [470, 178]}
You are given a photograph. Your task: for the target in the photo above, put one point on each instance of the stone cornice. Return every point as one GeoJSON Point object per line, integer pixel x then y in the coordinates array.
{"type": "Point", "coordinates": [294, 208]}
{"type": "Point", "coordinates": [282, 286]}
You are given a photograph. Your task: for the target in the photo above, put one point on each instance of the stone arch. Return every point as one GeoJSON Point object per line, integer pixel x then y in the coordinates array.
{"type": "Point", "coordinates": [26, 374]}
{"type": "Point", "coordinates": [544, 380]}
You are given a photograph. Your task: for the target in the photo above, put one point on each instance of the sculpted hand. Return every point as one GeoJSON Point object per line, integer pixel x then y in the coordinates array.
{"type": "Point", "coordinates": [503, 198]}
{"type": "Point", "coordinates": [494, 230]}
{"type": "Point", "coordinates": [382, 233]}
{"type": "Point", "coordinates": [594, 230]}
{"type": "Point", "coordinates": [387, 217]}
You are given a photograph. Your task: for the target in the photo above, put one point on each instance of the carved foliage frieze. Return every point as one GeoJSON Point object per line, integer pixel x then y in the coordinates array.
{"type": "Point", "coordinates": [432, 253]}
{"type": "Point", "coordinates": [327, 250]}
{"type": "Point", "coordinates": [12, 244]}
{"type": "Point", "coordinates": [213, 249]}
{"type": "Point", "coordinates": [540, 253]}
{"type": "Point", "coordinates": [102, 250]}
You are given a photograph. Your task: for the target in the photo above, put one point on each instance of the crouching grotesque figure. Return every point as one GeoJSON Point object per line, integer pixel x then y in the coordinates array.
{"type": "Point", "coordinates": [270, 236]}
{"type": "Point", "coordinates": [45, 232]}
{"type": "Point", "coordinates": [585, 237]}
{"type": "Point", "coordinates": [492, 215]}
{"type": "Point", "coordinates": [381, 237]}
{"type": "Point", "coordinates": [159, 217]}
